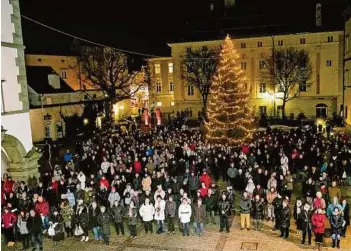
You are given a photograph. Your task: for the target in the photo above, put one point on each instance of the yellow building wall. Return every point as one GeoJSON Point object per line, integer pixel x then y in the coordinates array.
{"type": "Point", "coordinates": [329, 90]}
{"type": "Point", "coordinates": [347, 76]}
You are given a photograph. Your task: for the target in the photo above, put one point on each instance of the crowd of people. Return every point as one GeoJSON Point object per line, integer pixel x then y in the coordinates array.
{"type": "Point", "coordinates": [172, 179]}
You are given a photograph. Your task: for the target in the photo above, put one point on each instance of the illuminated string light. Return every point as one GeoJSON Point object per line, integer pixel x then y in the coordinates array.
{"type": "Point", "coordinates": [230, 119]}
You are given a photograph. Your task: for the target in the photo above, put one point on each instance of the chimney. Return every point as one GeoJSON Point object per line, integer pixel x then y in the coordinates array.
{"type": "Point", "coordinates": [318, 15]}
{"type": "Point", "coordinates": [54, 81]}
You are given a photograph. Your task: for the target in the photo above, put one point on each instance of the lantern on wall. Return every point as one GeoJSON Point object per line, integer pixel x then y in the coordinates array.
{"type": "Point", "coordinates": [158, 116]}
{"type": "Point", "coordinates": [146, 117]}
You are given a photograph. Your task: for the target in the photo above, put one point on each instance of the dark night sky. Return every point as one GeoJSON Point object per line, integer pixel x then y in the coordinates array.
{"type": "Point", "coordinates": [146, 26]}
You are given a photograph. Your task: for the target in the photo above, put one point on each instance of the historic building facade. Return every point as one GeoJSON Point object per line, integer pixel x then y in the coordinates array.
{"type": "Point", "coordinates": [347, 66]}
{"type": "Point", "coordinates": [322, 95]}
{"type": "Point", "coordinates": [18, 156]}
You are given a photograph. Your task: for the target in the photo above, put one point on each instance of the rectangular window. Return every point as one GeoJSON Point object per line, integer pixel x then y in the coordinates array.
{"type": "Point", "coordinates": [243, 65]}
{"type": "Point", "coordinates": [171, 87]}
{"type": "Point", "coordinates": [280, 42]}
{"type": "Point", "coordinates": [259, 44]}
{"type": "Point", "coordinates": [303, 86]}
{"type": "Point", "coordinates": [262, 64]}
{"type": "Point", "coordinates": [330, 39]}
{"type": "Point", "coordinates": [302, 40]}
{"type": "Point", "coordinates": [347, 43]}
{"type": "Point", "coordinates": [190, 90]}
{"type": "Point", "coordinates": [170, 67]}
{"type": "Point", "coordinates": [63, 74]}
{"type": "Point", "coordinates": [157, 68]}
{"type": "Point", "coordinates": [262, 110]}
{"type": "Point", "coordinates": [262, 88]}
{"type": "Point", "coordinates": [158, 87]}
{"type": "Point", "coordinates": [242, 45]}
{"type": "Point", "coordinates": [329, 63]}
{"type": "Point", "coordinates": [48, 101]}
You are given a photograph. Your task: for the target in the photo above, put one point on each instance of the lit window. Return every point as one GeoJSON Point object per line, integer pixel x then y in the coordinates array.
{"type": "Point", "coordinates": [158, 87]}
{"type": "Point", "coordinates": [170, 67]}
{"type": "Point", "coordinates": [242, 45]}
{"type": "Point", "coordinates": [63, 74]}
{"type": "Point", "coordinates": [303, 86]}
{"type": "Point", "coordinates": [262, 110]}
{"type": "Point", "coordinates": [262, 88]}
{"type": "Point", "coordinates": [190, 90]}
{"type": "Point", "coordinates": [159, 104]}
{"type": "Point", "coordinates": [243, 65]}
{"type": "Point", "coordinates": [259, 44]}
{"type": "Point", "coordinates": [302, 40]}
{"type": "Point", "coordinates": [48, 101]}
{"type": "Point", "coordinates": [330, 39]}
{"type": "Point", "coordinates": [329, 63]}
{"type": "Point", "coordinates": [171, 86]}
{"type": "Point", "coordinates": [280, 42]}
{"type": "Point", "coordinates": [262, 64]}
{"type": "Point", "coordinates": [157, 68]}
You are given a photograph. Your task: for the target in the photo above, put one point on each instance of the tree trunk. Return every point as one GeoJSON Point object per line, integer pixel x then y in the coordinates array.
{"type": "Point", "coordinates": [283, 109]}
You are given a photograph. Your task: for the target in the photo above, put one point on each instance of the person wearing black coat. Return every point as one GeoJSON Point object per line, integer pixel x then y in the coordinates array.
{"type": "Point", "coordinates": [257, 212]}
{"type": "Point", "coordinates": [336, 222]}
{"type": "Point", "coordinates": [104, 223]}
{"type": "Point", "coordinates": [35, 229]}
{"type": "Point", "coordinates": [57, 222]}
{"type": "Point", "coordinates": [94, 213]}
{"type": "Point", "coordinates": [346, 214]}
{"type": "Point", "coordinates": [305, 218]}
{"type": "Point", "coordinates": [117, 214]}
{"type": "Point", "coordinates": [81, 219]}
{"type": "Point", "coordinates": [277, 204]}
{"type": "Point", "coordinates": [285, 216]}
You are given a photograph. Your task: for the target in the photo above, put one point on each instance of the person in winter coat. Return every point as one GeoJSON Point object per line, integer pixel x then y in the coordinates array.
{"type": "Point", "coordinates": [67, 213]}
{"type": "Point", "coordinates": [8, 222]}
{"type": "Point", "coordinates": [334, 191]}
{"type": "Point", "coordinates": [132, 215]}
{"type": "Point", "coordinates": [331, 206]}
{"type": "Point", "coordinates": [23, 229]}
{"type": "Point", "coordinates": [278, 204]}
{"type": "Point", "coordinates": [336, 222]}
{"type": "Point", "coordinates": [117, 214]}
{"type": "Point", "coordinates": [271, 195]}
{"type": "Point", "coordinates": [170, 211]}
{"type": "Point", "coordinates": [297, 210]}
{"type": "Point", "coordinates": [147, 212]}
{"type": "Point", "coordinates": [211, 203]}
{"type": "Point", "coordinates": [199, 217]}
{"type": "Point", "coordinates": [42, 208]}
{"type": "Point", "coordinates": [272, 182]}
{"type": "Point", "coordinates": [257, 212]}
{"type": "Point", "coordinates": [232, 172]}
{"type": "Point", "coordinates": [160, 206]}
{"type": "Point", "coordinates": [81, 219]}
{"type": "Point", "coordinates": [57, 223]}
{"type": "Point", "coordinates": [309, 190]}
{"type": "Point", "coordinates": [113, 196]}
{"type": "Point", "coordinates": [70, 197]}
{"type": "Point", "coordinates": [223, 208]}
{"type": "Point", "coordinates": [205, 178]}
{"type": "Point", "coordinates": [103, 220]}
{"type": "Point", "coordinates": [245, 209]}
{"type": "Point", "coordinates": [94, 213]}
{"type": "Point", "coordinates": [318, 225]}
{"type": "Point", "coordinates": [159, 192]}
{"type": "Point", "coordinates": [285, 216]}
{"type": "Point", "coordinates": [146, 182]}
{"type": "Point", "coordinates": [346, 213]}
{"type": "Point", "coordinates": [289, 184]}
{"type": "Point", "coordinates": [127, 194]}
{"type": "Point", "coordinates": [319, 202]}
{"type": "Point", "coordinates": [305, 217]}
{"type": "Point", "coordinates": [35, 229]}
{"type": "Point", "coordinates": [193, 184]}
{"type": "Point", "coordinates": [184, 214]}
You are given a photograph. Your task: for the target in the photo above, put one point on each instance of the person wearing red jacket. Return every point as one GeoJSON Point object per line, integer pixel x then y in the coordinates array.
{"type": "Point", "coordinates": [137, 166]}
{"type": "Point", "coordinates": [8, 222]}
{"type": "Point", "coordinates": [104, 182]}
{"type": "Point", "coordinates": [42, 208]}
{"type": "Point", "coordinates": [205, 178]}
{"type": "Point", "coordinates": [8, 185]}
{"type": "Point", "coordinates": [318, 227]}
{"type": "Point", "coordinates": [203, 190]}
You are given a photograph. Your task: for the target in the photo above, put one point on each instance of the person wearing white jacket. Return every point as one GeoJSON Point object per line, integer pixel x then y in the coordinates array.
{"type": "Point", "coordinates": [147, 212]}
{"type": "Point", "coordinates": [81, 177]}
{"type": "Point", "coordinates": [160, 206]}
{"type": "Point", "coordinates": [184, 213]}
{"type": "Point", "coordinates": [113, 196]}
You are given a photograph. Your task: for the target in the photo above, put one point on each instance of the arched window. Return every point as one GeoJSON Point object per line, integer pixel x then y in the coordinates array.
{"type": "Point", "coordinates": [321, 111]}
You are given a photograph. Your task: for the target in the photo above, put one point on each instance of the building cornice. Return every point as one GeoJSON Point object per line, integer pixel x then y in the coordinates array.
{"type": "Point", "coordinates": [12, 45]}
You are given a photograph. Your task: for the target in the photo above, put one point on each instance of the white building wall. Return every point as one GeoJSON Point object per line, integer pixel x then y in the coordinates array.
{"type": "Point", "coordinates": [7, 27]}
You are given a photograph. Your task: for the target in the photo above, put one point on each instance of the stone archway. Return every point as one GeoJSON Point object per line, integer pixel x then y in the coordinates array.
{"type": "Point", "coordinates": [4, 162]}
{"type": "Point", "coordinates": [20, 164]}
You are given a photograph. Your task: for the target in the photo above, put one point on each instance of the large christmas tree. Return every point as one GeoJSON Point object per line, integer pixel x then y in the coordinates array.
{"type": "Point", "coordinates": [230, 119]}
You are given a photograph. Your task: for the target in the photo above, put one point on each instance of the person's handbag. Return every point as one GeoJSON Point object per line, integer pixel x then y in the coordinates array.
{"type": "Point", "coordinates": [51, 231]}
{"type": "Point", "coordinates": [78, 231]}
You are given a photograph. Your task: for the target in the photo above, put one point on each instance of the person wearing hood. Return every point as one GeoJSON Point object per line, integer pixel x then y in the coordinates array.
{"type": "Point", "coordinates": [245, 209]}
{"type": "Point", "coordinates": [103, 220]}
{"type": "Point", "coordinates": [147, 212]}
{"type": "Point", "coordinates": [336, 222]}
{"type": "Point", "coordinates": [285, 216]}
{"type": "Point", "coordinates": [305, 217]}
{"type": "Point", "coordinates": [113, 196]}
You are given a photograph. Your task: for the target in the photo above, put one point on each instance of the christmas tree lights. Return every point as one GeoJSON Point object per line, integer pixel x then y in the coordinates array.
{"type": "Point", "coordinates": [230, 119]}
